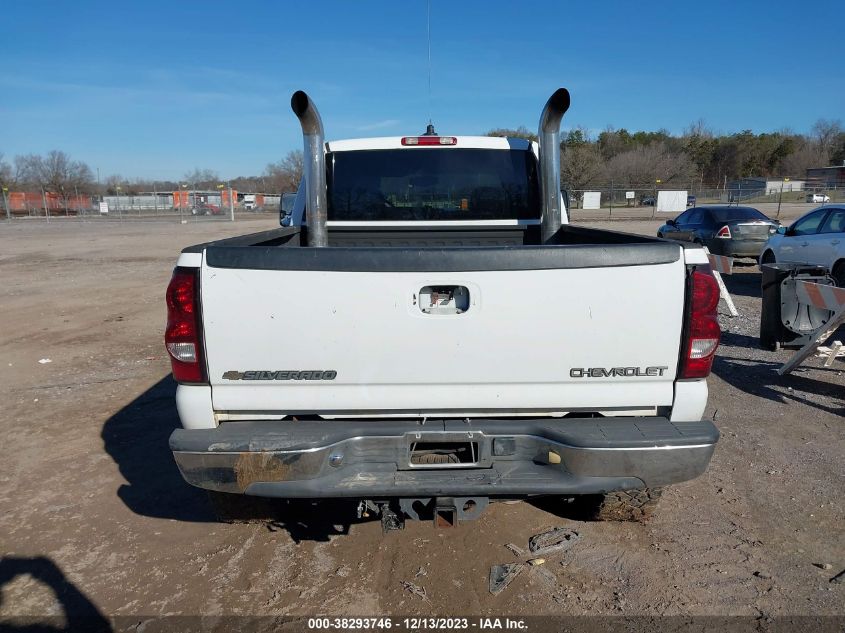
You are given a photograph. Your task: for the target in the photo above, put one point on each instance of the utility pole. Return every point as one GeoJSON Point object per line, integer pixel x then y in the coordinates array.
{"type": "Point", "coordinates": [228, 186]}
{"type": "Point", "coordinates": [231, 201]}
{"type": "Point", "coordinates": [44, 200]}
{"type": "Point", "coordinates": [181, 206]}
{"type": "Point", "coordinates": [780, 196]}
{"type": "Point", "coordinates": [654, 199]}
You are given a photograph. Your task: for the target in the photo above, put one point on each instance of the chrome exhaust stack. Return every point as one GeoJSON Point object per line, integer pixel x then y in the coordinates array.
{"type": "Point", "coordinates": [549, 137]}
{"type": "Point", "coordinates": [314, 163]}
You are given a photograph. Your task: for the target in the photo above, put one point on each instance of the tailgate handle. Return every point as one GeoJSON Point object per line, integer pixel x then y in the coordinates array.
{"type": "Point", "coordinates": [444, 299]}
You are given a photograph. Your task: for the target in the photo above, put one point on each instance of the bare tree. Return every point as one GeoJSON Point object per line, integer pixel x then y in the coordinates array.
{"type": "Point", "coordinates": [27, 169]}
{"type": "Point", "coordinates": [66, 174]}
{"type": "Point", "coordinates": [520, 132]}
{"type": "Point", "coordinates": [698, 129]}
{"type": "Point", "coordinates": [581, 166]}
{"type": "Point", "coordinates": [202, 178]}
{"type": "Point", "coordinates": [826, 133]}
{"type": "Point", "coordinates": [137, 185]}
{"type": "Point", "coordinates": [646, 164]}
{"type": "Point", "coordinates": [55, 172]}
{"type": "Point", "coordinates": [804, 157]}
{"type": "Point", "coordinates": [246, 183]}
{"type": "Point", "coordinates": [113, 182]}
{"type": "Point", "coordinates": [6, 172]}
{"type": "Point", "coordinates": [286, 174]}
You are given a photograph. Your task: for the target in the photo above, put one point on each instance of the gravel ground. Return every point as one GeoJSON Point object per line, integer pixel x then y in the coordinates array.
{"type": "Point", "coordinates": [95, 518]}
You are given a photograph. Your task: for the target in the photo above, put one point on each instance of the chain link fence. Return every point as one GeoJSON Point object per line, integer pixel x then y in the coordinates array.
{"type": "Point", "coordinates": [640, 201]}
{"type": "Point", "coordinates": [607, 201]}
{"type": "Point", "coordinates": [186, 205]}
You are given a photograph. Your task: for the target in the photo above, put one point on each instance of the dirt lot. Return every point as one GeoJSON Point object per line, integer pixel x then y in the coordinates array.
{"type": "Point", "coordinates": [95, 518]}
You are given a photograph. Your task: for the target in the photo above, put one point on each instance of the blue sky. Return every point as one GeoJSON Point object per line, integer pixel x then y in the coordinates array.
{"type": "Point", "coordinates": [155, 89]}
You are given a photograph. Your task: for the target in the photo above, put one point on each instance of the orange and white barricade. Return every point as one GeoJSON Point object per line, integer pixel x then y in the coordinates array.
{"type": "Point", "coordinates": [825, 297]}
{"type": "Point", "coordinates": [722, 265]}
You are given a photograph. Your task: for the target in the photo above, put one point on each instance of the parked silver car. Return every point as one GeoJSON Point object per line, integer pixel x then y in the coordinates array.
{"type": "Point", "coordinates": [818, 237]}
{"type": "Point", "coordinates": [725, 230]}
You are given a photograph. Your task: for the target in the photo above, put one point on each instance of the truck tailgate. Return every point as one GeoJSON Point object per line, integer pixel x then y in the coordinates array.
{"type": "Point", "coordinates": [351, 331]}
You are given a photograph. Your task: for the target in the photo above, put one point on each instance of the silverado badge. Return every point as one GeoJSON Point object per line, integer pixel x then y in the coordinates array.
{"type": "Point", "coordinates": [327, 374]}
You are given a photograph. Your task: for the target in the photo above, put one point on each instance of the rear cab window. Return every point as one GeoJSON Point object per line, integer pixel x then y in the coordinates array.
{"type": "Point", "coordinates": [437, 184]}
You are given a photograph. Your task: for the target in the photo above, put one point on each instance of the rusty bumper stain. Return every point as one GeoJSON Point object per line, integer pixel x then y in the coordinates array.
{"type": "Point", "coordinates": [236, 471]}
{"type": "Point", "coordinates": [253, 467]}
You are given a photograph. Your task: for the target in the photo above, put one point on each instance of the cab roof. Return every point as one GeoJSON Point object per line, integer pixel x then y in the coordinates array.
{"type": "Point", "coordinates": [395, 142]}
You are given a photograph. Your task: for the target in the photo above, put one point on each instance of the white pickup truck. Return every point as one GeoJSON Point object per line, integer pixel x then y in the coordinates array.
{"type": "Point", "coordinates": [431, 335]}
{"type": "Point", "coordinates": [249, 202]}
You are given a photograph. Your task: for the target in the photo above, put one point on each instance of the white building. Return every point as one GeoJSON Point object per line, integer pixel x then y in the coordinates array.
{"type": "Point", "coordinates": [774, 186]}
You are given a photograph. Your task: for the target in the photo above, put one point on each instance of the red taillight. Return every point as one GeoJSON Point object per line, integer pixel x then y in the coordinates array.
{"type": "Point", "coordinates": [184, 327]}
{"type": "Point", "coordinates": [429, 140]}
{"type": "Point", "coordinates": [703, 332]}
{"type": "Point", "coordinates": [724, 232]}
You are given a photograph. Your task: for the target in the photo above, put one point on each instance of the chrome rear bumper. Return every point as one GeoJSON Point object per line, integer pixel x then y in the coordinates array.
{"type": "Point", "coordinates": [372, 459]}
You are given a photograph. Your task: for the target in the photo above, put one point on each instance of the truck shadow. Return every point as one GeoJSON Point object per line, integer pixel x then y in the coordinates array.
{"type": "Point", "coordinates": [580, 508]}
{"type": "Point", "coordinates": [732, 339]}
{"type": "Point", "coordinates": [79, 613]}
{"type": "Point", "coordinates": [760, 378]}
{"type": "Point", "coordinates": [306, 520]}
{"type": "Point", "coordinates": [136, 439]}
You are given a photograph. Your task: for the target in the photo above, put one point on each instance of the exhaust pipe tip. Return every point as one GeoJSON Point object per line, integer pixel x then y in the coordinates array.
{"type": "Point", "coordinates": [299, 102]}
{"type": "Point", "coordinates": [556, 107]}
{"type": "Point", "coordinates": [306, 112]}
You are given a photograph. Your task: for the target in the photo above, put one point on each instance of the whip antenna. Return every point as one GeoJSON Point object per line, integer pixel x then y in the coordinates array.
{"type": "Point", "coordinates": [428, 28]}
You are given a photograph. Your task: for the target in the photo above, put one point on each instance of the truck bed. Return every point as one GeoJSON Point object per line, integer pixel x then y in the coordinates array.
{"type": "Point", "coordinates": [430, 237]}
{"type": "Point", "coordinates": [438, 249]}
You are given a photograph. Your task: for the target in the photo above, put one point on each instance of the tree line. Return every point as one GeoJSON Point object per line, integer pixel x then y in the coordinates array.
{"type": "Point", "coordinates": [698, 156]}
{"type": "Point", "coordinates": [56, 172]}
